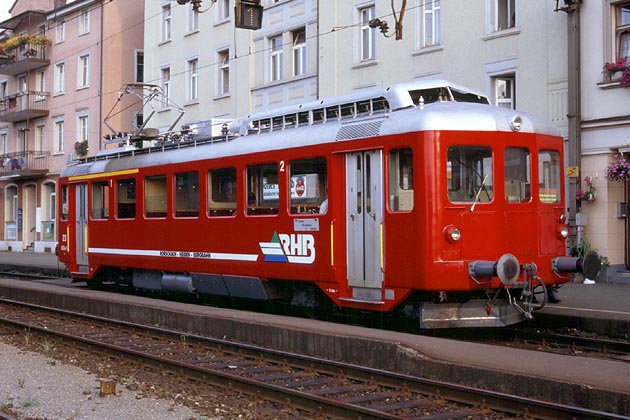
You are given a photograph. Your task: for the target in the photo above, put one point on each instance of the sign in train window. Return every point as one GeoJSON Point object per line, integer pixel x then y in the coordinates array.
{"type": "Point", "coordinates": [549, 176]}
{"type": "Point", "coordinates": [263, 191]}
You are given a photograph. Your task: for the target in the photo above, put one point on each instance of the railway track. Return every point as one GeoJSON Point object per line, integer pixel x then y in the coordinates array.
{"type": "Point", "coordinates": [324, 388]}
{"type": "Point", "coordinates": [568, 341]}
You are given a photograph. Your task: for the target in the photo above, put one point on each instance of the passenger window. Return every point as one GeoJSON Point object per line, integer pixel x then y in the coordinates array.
{"type": "Point", "coordinates": [549, 176]}
{"type": "Point", "coordinates": [155, 196]}
{"type": "Point", "coordinates": [222, 192]}
{"type": "Point", "coordinates": [517, 175]}
{"type": "Point", "coordinates": [187, 194]}
{"type": "Point", "coordinates": [100, 200]}
{"type": "Point", "coordinates": [400, 179]}
{"type": "Point", "coordinates": [64, 202]}
{"type": "Point", "coordinates": [262, 189]}
{"type": "Point", "coordinates": [469, 174]}
{"type": "Point", "coordinates": [126, 198]}
{"type": "Point", "coordinates": [309, 187]}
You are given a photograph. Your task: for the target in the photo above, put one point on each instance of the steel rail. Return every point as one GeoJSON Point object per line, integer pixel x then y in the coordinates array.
{"type": "Point", "coordinates": [309, 401]}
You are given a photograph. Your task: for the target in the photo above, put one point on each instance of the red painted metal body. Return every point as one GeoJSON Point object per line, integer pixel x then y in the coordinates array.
{"type": "Point", "coordinates": [414, 255]}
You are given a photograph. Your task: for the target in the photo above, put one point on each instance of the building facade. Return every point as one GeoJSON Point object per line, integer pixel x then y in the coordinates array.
{"type": "Point", "coordinates": [61, 66]}
{"type": "Point", "coordinates": [605, 124]}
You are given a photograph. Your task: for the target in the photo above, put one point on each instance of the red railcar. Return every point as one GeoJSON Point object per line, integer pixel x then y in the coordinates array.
{"type": "Point", "coordinates": [417, 197]}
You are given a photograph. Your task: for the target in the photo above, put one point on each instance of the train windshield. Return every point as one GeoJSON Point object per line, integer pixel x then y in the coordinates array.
{"type": "Point", "coordinates": [469, 174]}
{"type": "Point", "coordinates": [445, 94]}
{"type": "Point", "coordinates": [549, 176]}
{"type": "Point", "coordinates": [517, 174]}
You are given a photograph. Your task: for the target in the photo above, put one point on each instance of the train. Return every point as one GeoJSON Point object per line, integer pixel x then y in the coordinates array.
{"type": "Point", "coordinates": [418, 199]}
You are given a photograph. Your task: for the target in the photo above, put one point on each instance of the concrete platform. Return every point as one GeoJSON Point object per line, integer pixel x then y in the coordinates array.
{"type": "Point", "coordinates": [596, 384]}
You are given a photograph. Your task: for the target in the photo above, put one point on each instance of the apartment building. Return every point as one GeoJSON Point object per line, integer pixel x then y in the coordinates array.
{"type": "Point", "coordinates": [605, 125]}
{"type": "Point", "coordinates": [308, 49]}
{"type": "Point", "coordinates": [62, 64]}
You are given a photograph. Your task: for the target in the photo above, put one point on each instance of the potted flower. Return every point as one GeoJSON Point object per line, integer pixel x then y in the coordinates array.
{"type": "Point", "coordinates": [81, 147]}
{"type": "Point", "coordinates": [589, 193]}
{"type": "Point", "coordinates": [620, 66]}
{"type": "Point", "coordinates": [619, 170]}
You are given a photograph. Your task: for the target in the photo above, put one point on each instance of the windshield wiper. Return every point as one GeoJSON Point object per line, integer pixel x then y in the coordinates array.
{"type": "Point", "coordinates": [481, 187]}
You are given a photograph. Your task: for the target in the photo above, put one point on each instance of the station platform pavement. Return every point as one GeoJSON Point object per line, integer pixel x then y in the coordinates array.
{"type": "Point", "coordinates": [589, 382]}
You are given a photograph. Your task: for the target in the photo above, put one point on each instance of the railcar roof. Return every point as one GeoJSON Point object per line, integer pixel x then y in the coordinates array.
{"type": "Point", "coordinates": [401, 116]}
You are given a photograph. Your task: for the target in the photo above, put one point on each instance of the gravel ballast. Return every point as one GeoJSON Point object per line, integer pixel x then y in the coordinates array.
{"type": "Point", "coordinates": [37, 387]}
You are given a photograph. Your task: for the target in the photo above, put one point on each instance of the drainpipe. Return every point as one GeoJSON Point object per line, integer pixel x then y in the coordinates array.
{"type": "Point", "coordinates": [572, 9]}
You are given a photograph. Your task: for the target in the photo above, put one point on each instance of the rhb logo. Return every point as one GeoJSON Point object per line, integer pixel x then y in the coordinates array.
{"type": "Point", "coordinates": [297, 248]}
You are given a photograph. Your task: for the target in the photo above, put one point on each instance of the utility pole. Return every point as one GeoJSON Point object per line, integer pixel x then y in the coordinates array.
{"type": "Point", "coordinates": [574, 165]}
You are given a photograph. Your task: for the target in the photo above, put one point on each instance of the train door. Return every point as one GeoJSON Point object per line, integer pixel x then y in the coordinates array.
{"type": "Point", "coordinates": [81, 197]}
{"type": "Point", "coordinates": [364, 206]}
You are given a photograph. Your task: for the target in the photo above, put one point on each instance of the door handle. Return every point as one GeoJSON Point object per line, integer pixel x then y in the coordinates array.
{"type": "Point", "coordinates": [352, 216]}
{"type": "Point", "coordinates": [373, 215]}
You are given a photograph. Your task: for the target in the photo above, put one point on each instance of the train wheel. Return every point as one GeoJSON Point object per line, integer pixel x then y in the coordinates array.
{"type": "Point", "coordinates": [538, 298]}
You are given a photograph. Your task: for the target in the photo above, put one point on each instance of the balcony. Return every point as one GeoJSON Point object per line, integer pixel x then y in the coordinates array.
{"type": "Point", "coordinates": [24, 165]}
{"type": "Point", "coordinates": [26, 57]}
{"type": "Point", "coordinates": [23, 105]}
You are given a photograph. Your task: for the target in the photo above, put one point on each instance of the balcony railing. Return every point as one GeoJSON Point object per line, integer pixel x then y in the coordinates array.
{"type": "Point", "coordinates": [22, 59]}
{"type": "Point", "coordinates": [27, 164]}
{"type": "Point", "coordinates": [24, 105]}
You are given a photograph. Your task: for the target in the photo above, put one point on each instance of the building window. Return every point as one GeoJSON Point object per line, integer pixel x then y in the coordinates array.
{"type": "Point", "coordinates": [193, 20]}
{"type": "Point", "coordinates": [60, 76]}
{"type": "Point", "coordinates": [224, 72]}
{"type": "Point", "coordinates": [49, 211]}
{"type": "Point", "coordinates": [3, 89]}
{"type": "Point", "coordinates": [166, 22]}
{"type": "Point", "coordinates": [276, 58]}
{"type": "Point", "coordinates": [82, 128]}
{"type": "Point", "coordinates": [504, 92]}
{"type": "Point", "coordinates": [84, 22]}
{"type": "Point", "coordinates": [139, 66]}
{"type": "Point", "coordinates": [368, 35]}
{"type": "Point", "coordinates": [58, 136]}
{"type": "Point", "coordinates": [193, 80]}
{"type": "Point", "coordinates": [40, 85]}
{"type": "Point", "coordinates": [39, 139]}
{"type": "Point", "coordinates": [3, 143]}
{"type": "Point", "coordinates": [502, 14]}
{"type": "Point", "coordinates": [60, 31]}
{"type": "Point", "coordinates": [166, 85]}
{"type": "Point", "coordinates": [622, 31]}
{"type": "Point", "coordinates": [83, 71]}
{"type": "Point", "coordinates": [432, 29]}
{"type": "Point", "coordinates": [224, 9]}
{"type": "Point", "coordinates": [299, 52]}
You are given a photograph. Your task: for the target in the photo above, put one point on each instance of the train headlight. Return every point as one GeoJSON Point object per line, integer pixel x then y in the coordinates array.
{"type": "Point", "coordinates": [563, 232]}
{"type": "Point", "coordinates": [452, 234]}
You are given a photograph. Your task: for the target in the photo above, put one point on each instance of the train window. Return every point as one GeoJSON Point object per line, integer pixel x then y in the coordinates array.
{"type": "Point", "coordinates": [263, 191]}
{"type": "Point", "coordinates": [469, 174]}
{"type": "Point", "coordinates": [186, 194]}
{"type": "Point", "coordinates": [332, 112]}
{"type": "Point", "coordinates": [400, 179]}
{"type": "Point", "coordinates": [222, 192]}
{"type": "Point", "coordinates": [100, 200]}
{"type": "Point", "coordinates": [549, 176]}
{"type": "Point", "coordinates": [380, 104]}
{"type": "Point", "coordinates": [303, 118]}
{"type": "Point", "coordinates": [347, 110]}
{"type": "Point", "coordinates": [155, 196]}
{"type": "Point", "coordinates": [126, 198]}
{"type": "Point", "coordinates": [64, 202]}
{"type": "Point", "coordinates": [278, 123]}
{"type": "Point", "coordinates": [517, 175]}
{"type": "Point", "coordinates": [309, 187]}
{"type": "Point", "coordinates": [290, 120]}
{"type": "Point", "coordinates": [318, 115]}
